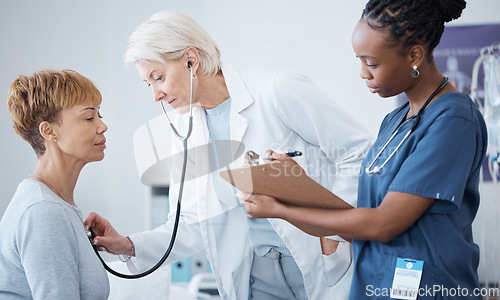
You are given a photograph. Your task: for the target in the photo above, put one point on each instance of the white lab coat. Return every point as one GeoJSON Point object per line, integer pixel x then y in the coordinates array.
{"type": "Point", "coordinates": [280, 111]}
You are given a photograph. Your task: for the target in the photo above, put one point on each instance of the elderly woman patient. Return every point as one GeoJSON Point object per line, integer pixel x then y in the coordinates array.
{"type": "Point", "coordinates": [44, 250]}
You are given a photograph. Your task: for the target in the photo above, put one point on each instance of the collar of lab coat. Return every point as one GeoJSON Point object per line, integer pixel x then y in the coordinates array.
{"type": "Point", "coordinates": [240, 100]}
{"type": "Point", "coordinates": [236, 88]}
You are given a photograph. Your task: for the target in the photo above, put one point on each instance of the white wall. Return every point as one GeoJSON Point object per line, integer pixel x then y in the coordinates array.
{"type": "Point", "coordinates": [312, 37]}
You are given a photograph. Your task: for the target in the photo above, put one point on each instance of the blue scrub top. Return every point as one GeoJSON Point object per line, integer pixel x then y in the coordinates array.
{"type": "Point", "coordinates": [441, 159]}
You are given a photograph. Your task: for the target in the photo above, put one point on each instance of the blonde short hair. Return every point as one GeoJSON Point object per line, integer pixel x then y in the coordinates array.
{"type": "Point", "coordinates": [167, 35]}
{"type": "Point", "coordinates": [42, 96]}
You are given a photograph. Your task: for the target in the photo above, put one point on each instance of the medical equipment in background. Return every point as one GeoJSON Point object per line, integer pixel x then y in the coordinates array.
{"type": "Point", "coordinates": [490, 59]}
{"type": "Point", "coordinates": [377, 169]}
{"type": "Point", "coordinates": [490, 108]}
{"type": "Point", "coordinates": [184, 140]}
{"type": "Point", "coordinates": [203, 285]}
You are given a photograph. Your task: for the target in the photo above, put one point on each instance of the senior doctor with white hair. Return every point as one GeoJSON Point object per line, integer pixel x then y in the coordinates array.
{"type": "Point", "coordinates": [250, 258]}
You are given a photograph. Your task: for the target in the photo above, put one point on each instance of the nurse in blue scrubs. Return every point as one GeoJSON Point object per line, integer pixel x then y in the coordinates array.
{"type": "Point", "coordinates": [418, 188]}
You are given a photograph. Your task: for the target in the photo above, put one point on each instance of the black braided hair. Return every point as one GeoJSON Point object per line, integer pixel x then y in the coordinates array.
{"type": "Point", "coordinates": [412, 22]}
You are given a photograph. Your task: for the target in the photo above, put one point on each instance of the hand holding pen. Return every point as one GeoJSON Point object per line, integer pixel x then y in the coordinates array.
{"type": "Point", "coordinates": [256, 204]}
{"type": "Point", "coordinates": [252, 158]}
{"type": "Point", "coordinates": [271, 155]}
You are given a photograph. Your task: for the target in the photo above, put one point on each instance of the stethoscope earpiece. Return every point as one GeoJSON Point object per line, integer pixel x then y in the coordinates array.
{"type": "Point", "coordinates": [184, 139]}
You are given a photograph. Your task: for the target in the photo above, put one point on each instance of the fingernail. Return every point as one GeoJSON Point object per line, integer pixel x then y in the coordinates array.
{"type": "Point", "coordinates": [86, 227]}
{"type": "Point", "coordinates": [96, 241]}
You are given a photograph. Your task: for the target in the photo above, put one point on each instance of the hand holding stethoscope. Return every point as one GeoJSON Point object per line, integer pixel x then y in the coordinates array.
{"type": "Point", "coordinates": [90, 232]}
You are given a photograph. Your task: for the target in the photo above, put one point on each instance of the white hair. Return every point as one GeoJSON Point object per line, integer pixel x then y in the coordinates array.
{"type": "Point", "coordinates": [167, 35]}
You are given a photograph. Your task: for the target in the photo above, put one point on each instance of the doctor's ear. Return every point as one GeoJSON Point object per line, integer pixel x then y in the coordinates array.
{"type": "Point", "coordinates": [192, 56]}
{"type": "Point", "coordinates": [47, 131]}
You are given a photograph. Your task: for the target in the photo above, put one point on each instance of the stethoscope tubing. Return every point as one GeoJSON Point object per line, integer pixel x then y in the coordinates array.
{"type": "Point", "coordinates": [184, 140]}
{"type": "Point", "coordinates": [174, 130]}
{"type": "Point", "coordinates": [376, 169]}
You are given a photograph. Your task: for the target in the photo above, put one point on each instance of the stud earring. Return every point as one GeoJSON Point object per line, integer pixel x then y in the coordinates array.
{"type": "Point", "coordinates": [55, 140]}
{"type": "Point", "coordinates": [415, 73]}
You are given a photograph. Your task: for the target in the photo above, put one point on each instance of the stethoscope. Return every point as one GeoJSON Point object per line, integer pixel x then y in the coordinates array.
{"type": "Point", "coordinates": [184, 139]}
{"type": "Point", "coordinates": [377, 169]}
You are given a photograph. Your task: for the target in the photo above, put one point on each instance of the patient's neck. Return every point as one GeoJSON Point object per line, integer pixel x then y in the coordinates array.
{"type": "Point", "coordinates": [59, 174]}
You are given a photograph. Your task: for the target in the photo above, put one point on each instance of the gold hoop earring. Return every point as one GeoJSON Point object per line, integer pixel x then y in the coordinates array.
{"type": "Point", "coordinates": [194, 77]}
{"type": "Point", "coordinates": [415, 73]}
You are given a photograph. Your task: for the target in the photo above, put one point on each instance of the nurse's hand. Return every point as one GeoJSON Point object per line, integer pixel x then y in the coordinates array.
{"type": "Point", "coordinates": [279, 157]}
{"type": "Point", "coordinates": [107, 238]}
{"type": "Point", "coordinates": [261, 206]}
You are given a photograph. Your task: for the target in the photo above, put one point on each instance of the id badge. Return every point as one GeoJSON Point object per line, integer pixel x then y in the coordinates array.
{"type": "Point", "coordinates": [407, 278]}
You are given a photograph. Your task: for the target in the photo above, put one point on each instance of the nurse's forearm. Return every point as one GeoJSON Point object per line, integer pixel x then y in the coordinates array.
{"type": "Point", "coordinates": [356, 223]}
{"type": "Point", "coordinates": [397, 212]}
{"type": "Point", "coordinates": [311, 230]}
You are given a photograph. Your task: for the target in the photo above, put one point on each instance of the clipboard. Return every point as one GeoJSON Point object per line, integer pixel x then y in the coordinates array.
{"type": "Point", "coordinates": [286, 182]}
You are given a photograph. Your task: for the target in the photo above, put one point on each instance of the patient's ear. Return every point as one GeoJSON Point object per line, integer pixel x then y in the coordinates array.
{"type": "Point", "coordinates": [47, 131]}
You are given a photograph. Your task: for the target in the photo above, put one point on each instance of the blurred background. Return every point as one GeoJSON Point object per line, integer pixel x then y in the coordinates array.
{"type": "Point", "coordinates": [312, 37]}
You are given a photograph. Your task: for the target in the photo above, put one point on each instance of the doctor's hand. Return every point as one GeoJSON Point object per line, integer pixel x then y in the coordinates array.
{"type": "Point", "coordinates": [107, 238]}
{"type": "Point", "coordinates": [261, 206]}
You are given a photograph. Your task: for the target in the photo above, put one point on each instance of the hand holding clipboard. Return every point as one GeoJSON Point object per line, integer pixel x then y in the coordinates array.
{"type": "Point", "coordinates": [285, 181]}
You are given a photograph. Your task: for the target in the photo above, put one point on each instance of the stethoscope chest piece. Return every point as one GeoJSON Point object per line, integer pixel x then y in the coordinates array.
{"type": "Point", "coordinates": [375, 169]}
{"type": "Point", "coordinates": [91, 235]}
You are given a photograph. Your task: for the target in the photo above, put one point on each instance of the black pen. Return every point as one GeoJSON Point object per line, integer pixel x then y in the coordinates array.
{"type": "Point", "coordinates": [291, 154]}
